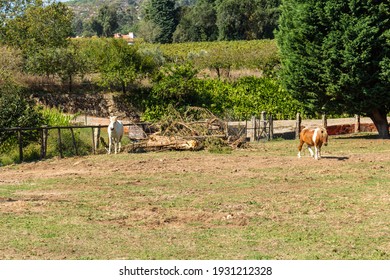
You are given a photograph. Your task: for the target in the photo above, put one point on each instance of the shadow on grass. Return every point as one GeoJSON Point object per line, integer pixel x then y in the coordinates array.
{"type": "Point", "coordinates": [358, 136]}
{"type": "Point", "coordinates": [335, 157]}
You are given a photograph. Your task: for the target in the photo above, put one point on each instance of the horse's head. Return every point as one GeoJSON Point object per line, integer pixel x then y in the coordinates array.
{"type": "Point", "coordinates": [113, 120]}
{"type": "Point", "coordinates": [324, 136]}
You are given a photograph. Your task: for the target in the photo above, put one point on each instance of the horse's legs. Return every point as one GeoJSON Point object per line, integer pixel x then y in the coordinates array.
{"type": "Point", "coordinates": [319, 151]}
{"type": "Point", "coordinates": [109, 145]}
{"type": "Point", "coordinates": [316, 152]}
{"type": "Point", "coordinates": [119, 143]}
{"type": "Point", "coordinates": [300, 148]}
{"type": "Point", "coordinates": [311, 151]}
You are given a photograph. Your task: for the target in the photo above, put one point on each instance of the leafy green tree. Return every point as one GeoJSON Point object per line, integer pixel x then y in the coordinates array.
{"type": "Point", "coordinates": [198, 23]}
{"type": "Point", "coordinates": [250, 96]}
{"type": "Point", "coordinates": [40, 27]}
{"type": "Point", "coordinates": [11, 62]}
{"type": "Point", "coordinates": [70, 62]}
{"type": "Point", "coordinates": [163, 14]}
{"type": "Point", "coordinates": [176, 86]}
{"type": "Point", "coordinates": [88, 30]}
{"type": "Point", "coordinates": [121, 64]}
{"type": "Point", "coordinates": [42, 34]}
{"type": "Point", "coordinates": [185, 30]}
{"type": "Point", "coordinates": [106, 22]}
{"type": "Point", "coordinates": [12, 9]}
{"type": "Point", "coordinates": [78, 27]}
{"type": "Point", "coordinates": [179, 87]}
{"type": "Point", "coordinates": [127, 19]}
{"type": "Point", "coordinates": [233, 19]}
{"type": "Point", "coordinates": [16, 110]}
{"type": "Point", "coordinates": [335, 56]}
{"type": "Point", "coordinates": [265, 18]}
{"type": "Point", "coordinates": [246, 19]}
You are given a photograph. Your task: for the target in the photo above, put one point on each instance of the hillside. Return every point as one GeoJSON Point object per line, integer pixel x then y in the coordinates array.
{"type": "Point", "coordinates": [128, 14]}
{"type": "Point", "coordinates": [86, 9]}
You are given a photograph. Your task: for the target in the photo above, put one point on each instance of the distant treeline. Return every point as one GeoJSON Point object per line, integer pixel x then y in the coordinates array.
{"type": "Point", "coordinates": [166, 21]}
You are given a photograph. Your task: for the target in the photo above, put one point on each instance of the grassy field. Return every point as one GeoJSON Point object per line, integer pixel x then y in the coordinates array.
{"type": "Point", "coordinates": [257, 203]}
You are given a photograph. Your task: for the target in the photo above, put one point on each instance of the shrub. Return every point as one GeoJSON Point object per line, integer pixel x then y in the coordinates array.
{"type": "Point", "coordinates": [16, 110]}
{"type": "Point", "coordinates": [180, 87]}
{"type": "Point", "coordinates": [54, 117]}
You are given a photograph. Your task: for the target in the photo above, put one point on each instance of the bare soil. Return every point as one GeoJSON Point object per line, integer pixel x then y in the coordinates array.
{"type": "Point", "coordinates": [92, 168]}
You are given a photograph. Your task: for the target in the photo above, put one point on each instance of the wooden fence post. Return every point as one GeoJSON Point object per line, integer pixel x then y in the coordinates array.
{"type": "Point", "coordinates": [264, 123]}
{"type": "Point", "coordinates": [93, 141]}
{"type": "Point", "coordinates": [253, 131]}
{"type": "Point", "coordinates": [20, 140]}
{"type": "Point", "coordinates": [44, 135]}
{"type": "Point", "coordinates": [96, 134]}
{"type": "Point", "coordinates": [42, 143]}
{"type": "Point", "coordinates": [298, 126]}
{"type": "Point", "coordinates": [271, 127]}
{"type": "Point", "coordinates": [60, 142]}
{"type": "Point", "coordinates": [324, 121]}
{"type": "Point", "coordinates": [74, 142]}
{"type": "Point", "coordinates": [357, 123]}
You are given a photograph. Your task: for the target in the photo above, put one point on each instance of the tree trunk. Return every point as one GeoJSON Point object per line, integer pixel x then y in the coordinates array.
{"type": "Point", "coordinates": [218, 72]}
{"type": "Point", "coordinates": [70, 83]}
{"type": "Point", "coordinates": [123, 87]}
{"type": "Point", "coordinates": [379, 117]}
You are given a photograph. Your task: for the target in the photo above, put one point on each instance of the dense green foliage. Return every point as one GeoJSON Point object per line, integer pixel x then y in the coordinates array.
{"type": "Point", "coordinates": [335, 56]}
{"type": "Point", "coordinates": [178, 87]}
{"type": "Point", "coordinates": [165, 21]}
{"type": "Point", "coordinates": [254, 54]}
{"type": "Point", "coordinates": [11, 9]}
{"type": "Point", "coordinates": [39, 27]}
{"type": "Point", "coordinates": [17, 111]}
{"type": "Point", "coordinates": [41, 33]}
{"type": "Point", "coordinates": [121, 64]}
{"type": "Point", "coordinates": [246, 19]}
{"type": "Point", "coordinates": [106, 22]}
{"type": "Point", "coordinates": [162, 14]}
{"type": "Point", "coordinates": [198, 23]}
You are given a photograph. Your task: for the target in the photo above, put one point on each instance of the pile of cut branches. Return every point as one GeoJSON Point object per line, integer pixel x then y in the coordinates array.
{"type": "Point", "coordinates": [187, 131]}
{"type": "Point", "coordinates": [195, 122]}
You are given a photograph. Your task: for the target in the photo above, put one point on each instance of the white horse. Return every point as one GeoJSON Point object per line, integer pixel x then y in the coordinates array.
{"type": "Point", "coordinates": [115, 133]}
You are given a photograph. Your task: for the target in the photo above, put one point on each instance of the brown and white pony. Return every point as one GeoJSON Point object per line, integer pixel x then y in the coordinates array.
{"type": "Point", "coordinates": [313, 137]}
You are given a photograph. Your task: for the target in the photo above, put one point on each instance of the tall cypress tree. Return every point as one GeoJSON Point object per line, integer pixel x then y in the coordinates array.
{"type": "Point", "coordinates": [163, 14]}
{"type": "Point", "coordinates": [335, 56]}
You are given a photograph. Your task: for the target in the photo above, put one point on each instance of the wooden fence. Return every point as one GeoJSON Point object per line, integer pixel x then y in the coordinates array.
{"type": "Point", "coordinates": [254, 130]}
{"type": "Point", "coordinates": [264, 127]}
{"type": "Point", "coordinates": [44, 132]}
